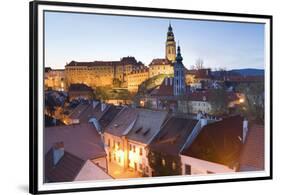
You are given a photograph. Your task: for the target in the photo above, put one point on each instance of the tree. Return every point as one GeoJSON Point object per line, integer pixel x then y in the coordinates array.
{"type": "Point", "coordinates": [254, 93]}
{"type": "Point", "coordinates": [219, 101]}
{"type": "Point", "coordinates": [199, 64]}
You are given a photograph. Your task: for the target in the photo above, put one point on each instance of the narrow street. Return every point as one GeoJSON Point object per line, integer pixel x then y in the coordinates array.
{"type": "Point", "coordinates": [118, 172]}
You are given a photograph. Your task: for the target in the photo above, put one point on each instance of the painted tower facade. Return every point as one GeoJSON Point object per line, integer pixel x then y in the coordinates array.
{"type": "Point", "coordinates": [170, 45]}
{"type": "Point", "coordinates": [179, 76]}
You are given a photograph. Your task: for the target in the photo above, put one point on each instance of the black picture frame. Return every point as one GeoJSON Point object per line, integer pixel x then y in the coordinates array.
{"type": "Point", "coordinates": [33, 94]}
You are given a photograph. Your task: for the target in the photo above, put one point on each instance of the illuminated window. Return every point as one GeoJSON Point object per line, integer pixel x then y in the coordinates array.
{"type": "Point", "coordinates": [174, 166]}
{"type": "Point", "coordinates": [130, 146]}
{"type": "Point", "coordinates": [140, 166]}
{"type": "Point", "coordinates": [140, 151]}
{"type": "Point", "coordinates": [108, 143]}
{"type": "Point", "coordinates": [163, 162]}
{"type": "Point", "coordinates": [134, 148]}
{"type": "Point", "coordinates": [118, 144]}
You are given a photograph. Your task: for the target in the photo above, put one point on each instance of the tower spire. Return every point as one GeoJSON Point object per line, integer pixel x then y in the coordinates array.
{"type": "Point", "coordinates": [179, 57]}
{"type": "Point", "coordinates": [170, 44]}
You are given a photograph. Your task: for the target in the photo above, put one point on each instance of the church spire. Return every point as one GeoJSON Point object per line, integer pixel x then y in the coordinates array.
{"type": "Point", "coordinates": [170, 44]}
{"type": "Point", "coordinates": [179, 57]}
{"type": "Point", "coordinates": [179, 75]}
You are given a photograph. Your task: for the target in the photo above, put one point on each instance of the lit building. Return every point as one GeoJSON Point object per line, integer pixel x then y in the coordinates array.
{"type": "Point", "coordinates": [170, 45]}
{"type": "Point", "coordinates": [54, 79]}
{"type": "Point", "coordinates": [165, 65]}
{"type": "Point", "coordinates": [128, 136]}
{"type": "Point", "coordinates": [101, 73]}
{"type": "Point", "coordinates": [136, 77]}
{"type": "Point", "coordinates": [160, 66]}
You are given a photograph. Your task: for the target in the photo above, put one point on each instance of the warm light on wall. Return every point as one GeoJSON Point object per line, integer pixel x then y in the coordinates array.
{"type": "Point", "coordinates": [241, 100]}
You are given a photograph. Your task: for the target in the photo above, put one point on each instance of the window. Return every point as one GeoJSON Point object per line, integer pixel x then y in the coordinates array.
{"type": "Point", "coordinates": [146, 169]}
{"type": "Point", "coordinates": [140, 151]}
{"type": "Point", "coordinates": [163, 162]}
{"type": "Point", "coordinates": [109, 157]}
{"type": "Point", "coordinates": [140, 167]}
{"type": "Point", "coordinates": [134, 148]}
{"type": "Point", "coordinates": [118, 144]}
{"type": "Point", "coordinates": [174, 165]}
{"type": "Point", "coordinates": [187, 169]}
{"type": "Point", "coordinates": [108, 143]}
{"type": "Point", "coordinates": [130, 147]}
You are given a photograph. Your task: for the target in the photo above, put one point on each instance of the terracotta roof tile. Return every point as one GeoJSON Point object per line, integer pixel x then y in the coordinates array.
{"type": "Point", "coordinates": [173, 135]}
{"type": "Point", "coordinates": [252, 156]}
{"type": "Point", "coordinates": [218, 142]}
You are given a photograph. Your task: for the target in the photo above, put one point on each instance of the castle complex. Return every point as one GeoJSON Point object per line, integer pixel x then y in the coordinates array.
{"type": "Point", "coordinates": [126, 73]}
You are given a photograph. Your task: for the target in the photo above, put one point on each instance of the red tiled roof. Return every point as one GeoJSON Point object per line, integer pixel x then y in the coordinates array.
{"type": "Point", "coordinates": [122, 121]}
{"type": "Point", "coordinates": [65, 170]}
{"type": "Point", "coordinates": [205, 96]}
{"type": "Point", "coordinates": [173, 135]}
{"type": "Point", "coordinates": [81, 140]}
{"type": "Point", "coordinates": [125, 60]}
{"type": "Point", "coordinates": [201, 73]}
{"type": "Point", "coordinates": [159, 61]}
{"type": "Point", "coordinates": [219, 142]}
{"type": "Point", "coordinates": [252, 156]}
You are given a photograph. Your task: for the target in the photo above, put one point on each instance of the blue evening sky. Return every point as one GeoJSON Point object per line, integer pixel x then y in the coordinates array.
{"type": "Point", "coordinates": [90, 37]}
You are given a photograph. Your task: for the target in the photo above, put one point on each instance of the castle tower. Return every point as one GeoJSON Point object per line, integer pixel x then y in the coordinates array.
{"type": "Point", "coordinates": [170, 45]}
{"type": "Point", "coordinates": [179, 77]}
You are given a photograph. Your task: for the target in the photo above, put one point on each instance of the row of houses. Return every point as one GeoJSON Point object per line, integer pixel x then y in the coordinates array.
{"type": "Point", "coordinates": [150, 142]}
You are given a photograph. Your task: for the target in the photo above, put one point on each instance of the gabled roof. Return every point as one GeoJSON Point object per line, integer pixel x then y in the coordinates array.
{"type": "Point", "coordinates": [76, 113]}
{"type": "Point", "coordinates": [85, 111]}
{"type": "Point", "coordinates": [147, 125]}
{"type": "Point", "coordinates": [122, 121]}
{"type": "Point", "coordinates": [79, 87]}
{"type": "Point", "coordinates": [160, 61]}
{"type": "Point", "coordinates": [80, 140]}
{"type": "Point", "coordinates": [252, 155]}
{"type": "Point", "coordinates": [173, 135]}
{"type": "Point", "coordinates": [218, 142]}
{"type": "Point", "coordinates": [91, 171]}
{"type": "Point", "coordinates": [65, 170]}
{"type": "Point", "coordinates": [109, 115]}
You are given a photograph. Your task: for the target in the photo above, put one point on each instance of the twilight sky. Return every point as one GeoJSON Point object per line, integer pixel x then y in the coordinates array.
{"type": "Point", "coordinates": [90, 37]}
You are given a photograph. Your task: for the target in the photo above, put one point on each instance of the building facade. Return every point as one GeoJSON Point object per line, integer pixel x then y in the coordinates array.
{"type": "Point", "coordinates": [136, 77]}
{"type": "Point", "coordinates": [54, 79]}
{"type": "Point", "coordinates": [101, 73]}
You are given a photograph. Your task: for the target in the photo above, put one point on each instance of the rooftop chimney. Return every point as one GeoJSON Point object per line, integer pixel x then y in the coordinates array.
{"type": "Point", "coordinates": [58, 152]}
{"type": "Point", "coordinates": [245, 129]}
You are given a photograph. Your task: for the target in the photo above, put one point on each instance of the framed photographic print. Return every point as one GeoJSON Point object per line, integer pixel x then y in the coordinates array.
{"type": "Point", "coordinates": [130, 97]}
